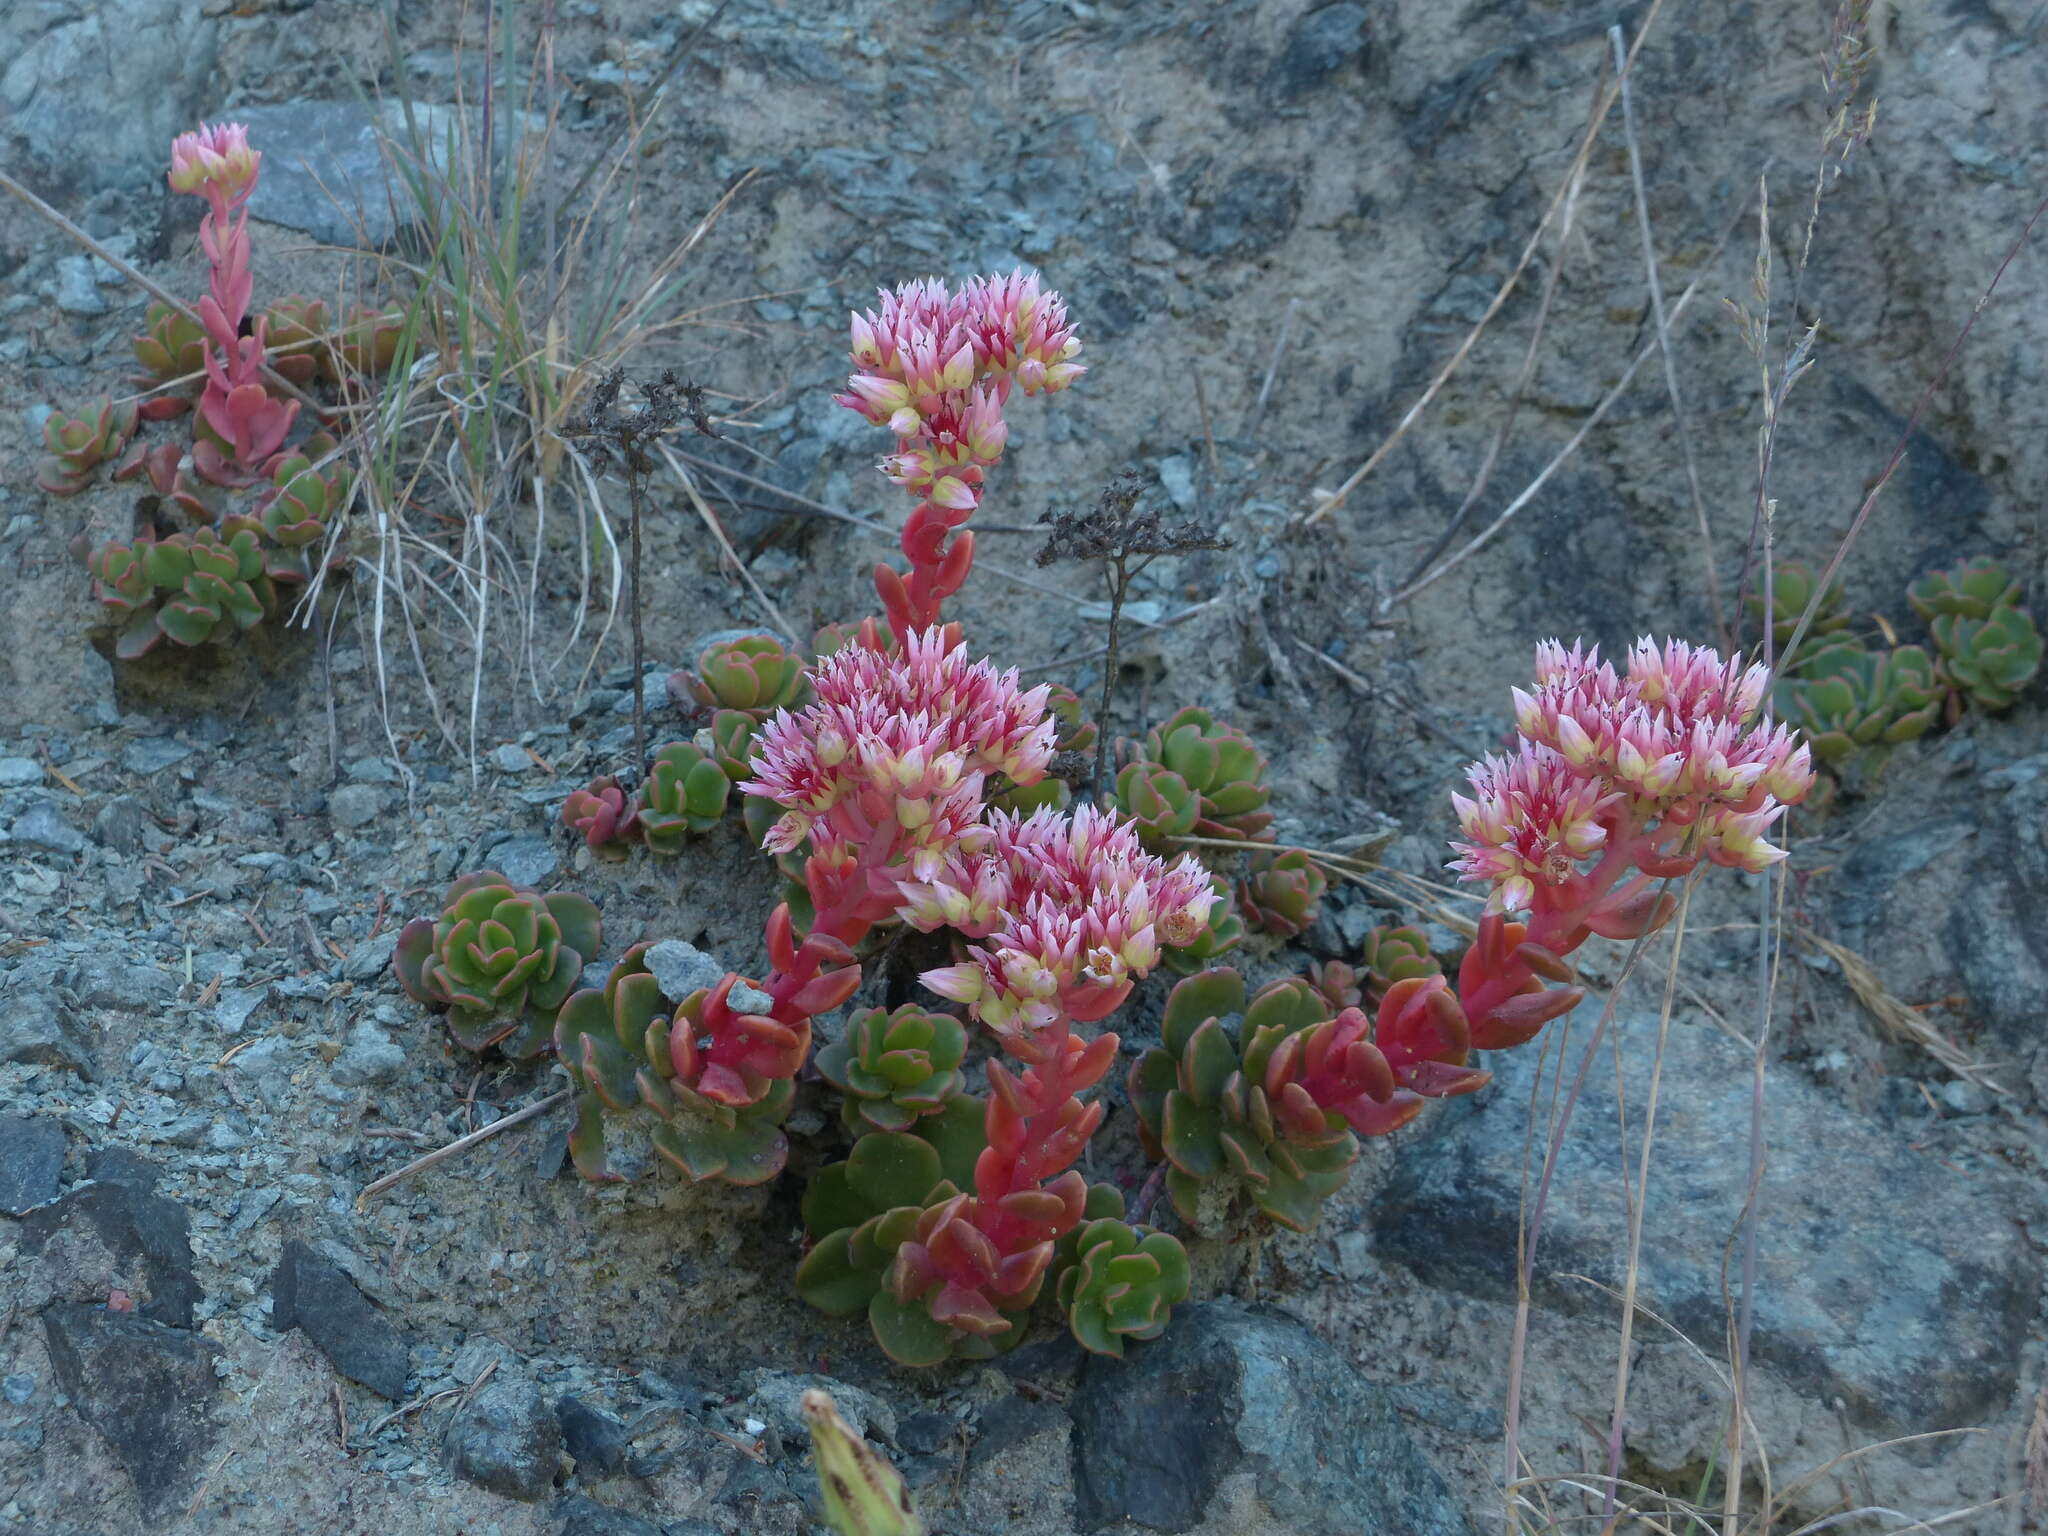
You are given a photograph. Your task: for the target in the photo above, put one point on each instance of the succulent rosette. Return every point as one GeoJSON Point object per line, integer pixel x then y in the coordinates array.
{"type": "Point", "coordinates": [501, 958]}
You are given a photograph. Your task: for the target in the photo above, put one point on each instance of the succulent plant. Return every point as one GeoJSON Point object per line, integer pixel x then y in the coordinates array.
{"type": "Point", "coordinates": [501, 958]}
{"type": "Point", "coordinates": [1048, 794]}
{"type": "Point", "coordinates": [860, 1211]}
{"type": "Point", "coordinates": [296, 329]}
{"type": "Point", "coordinates": [1077, 733]}
{"type": "Point", "coordinates": [756, 673]}
{"type": "Point", "coordinates": [367, 343]}
{"type": "Point", "coordinates": [685, 792]}
{"type": "Point", "coordinates": [303, 500]}
{"type": "Point", "coordinates": [1792, 586]}
{"type": "Point", "coordinates": [78, 444]}
{"type": "Point", "coordinates": [1285, 896]}
{"type": "Point", "coordinates": [895, 1067]}
{"type": "Point", "coordinates": [1271, 1110]}
{"type": "Point", "coordinates": [1162, 804]}
{"type": "Point", "coordinates": [1396, 954]}
{"type": "Point", "coordinates": [1864, 699]}
{"type": "Point", "coordinates": [716, 1080]}
{"type": "Point", "coordinates": [1195, 774]}
{"type": "Point", "coordinates": [862, 1494]}
{"type": "Point", "coordinates": [171, 346]}
{"type": "Point", "coordinates": [1219, 936]}
{"type": "Point", "coordinates": [604, 816]}
{"type": "Point", "coordinates": [732, 743]}
{"type": "Point", "coordinates": [1990, 659]}
{"type": "Point", "coordinates": [189, 587]}
{"type": "Point", "coordinates": [1337, 982]}
{"type": "Point", "coordinates": [1970, 590]}
{"type": "Point", "coordinates": [1122, 1284]}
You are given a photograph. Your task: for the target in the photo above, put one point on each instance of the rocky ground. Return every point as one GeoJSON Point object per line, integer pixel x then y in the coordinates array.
{"type": "Point", "coordinates": [1273, 222]}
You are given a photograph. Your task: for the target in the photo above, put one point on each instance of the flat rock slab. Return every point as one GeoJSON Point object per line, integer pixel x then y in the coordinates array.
{"type": "Point", "coordinates": [504, 1437]}
{"type": "Point", "coordinates": [312, 1295]}
{"type": "Point", "coordinates": [1230, 1389]}
{"type": "Point", "coordinates": [147, 1388]}
{"type": "Point", "coordinates": [326, 173]}
{"type": "Point", "coordinates": [38, 1029]}
{"type": "Point", "coordinates": [106, 1235]}
{"type": "Point", "coordinates": [1885, 1279]}
{"type": "Point", "coordinates": [31, 1158]}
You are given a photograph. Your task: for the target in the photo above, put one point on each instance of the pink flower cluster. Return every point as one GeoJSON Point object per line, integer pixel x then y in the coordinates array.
{"type": "Point", "coordinates": [936, 367]}
{"type": "Point", "coordinates": [242, 425]}
{"type": "Point", "coordinates": [1073, 911]}
{"type": "Point", "coordinates": [892, 757]}
{"type": "Point", "coordinates": [1668, 758]}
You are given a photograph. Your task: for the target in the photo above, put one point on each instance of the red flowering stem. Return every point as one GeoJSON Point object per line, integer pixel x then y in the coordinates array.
{"type": "Point", "coordinates": [1499, 987]}
{"type": "Point", "coordinates": [939, 564]}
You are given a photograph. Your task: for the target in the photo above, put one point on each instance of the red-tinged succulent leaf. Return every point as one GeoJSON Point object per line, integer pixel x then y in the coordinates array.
{"type": "Point", "coordinates": [139, 636]}
{"type": "Point", "coordinates": [906, 1330]}
{"type": "Point", "coordinates": [578, 919]}
{"type": "Point", "coordinates": [1369, 1119]}
{"type": "Point", "coordinates": [829, 1279]}
{"type": "Point", "coordinates": [1207, 1062]}
{"type": "Point", "coordinates": [1518, 1018]}
{"type": "Point", "coordinates": [1189, 1131]}
{"type": "Point", "coordinates": [1641, 914]}
{"type": "Point", "coordinates": [586, 1142]}
{"type": "Point", "coordinates": [415, 945]}
{"type": "Point", "coordinates": [1443, 1080]}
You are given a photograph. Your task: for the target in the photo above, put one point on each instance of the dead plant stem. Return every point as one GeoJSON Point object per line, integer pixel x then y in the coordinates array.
{"type": "Point", "coordinates": [461, 1145]}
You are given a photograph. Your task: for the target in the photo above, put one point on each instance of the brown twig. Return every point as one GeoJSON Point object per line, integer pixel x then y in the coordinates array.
{"type": "Point", "coordinates": [162, 295]}
{"type": "Point", "coordinates": [461, 1145]}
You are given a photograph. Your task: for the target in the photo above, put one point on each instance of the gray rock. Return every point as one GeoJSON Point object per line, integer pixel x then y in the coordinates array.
{"type": "Point", "coordinates": [581, 1516]}
{"type": "Point", "coordinates": [140, 1241]}
{"type": "Point", "coordinates": [77, 293]}
{"type": "Point", "coordinates": [235, 1005]}
{"type": "Point", "coordinates": [120, 824]}
{"type": "Point", "coordinates": [774, 1398]}
{"type": "Point", "coordinates": [325, 172]}
{"type": "Point", "coordinates": [1318, 46]}
{"type": "Point", "coordinates": [526, 860]}
{"type": "Point", "coordinates": [1251, 212]}
{"type": "Point", "coordinates": [1230, 1389]}
{"type": "Point", "coordinates": [512, 759]}
{"type": "Point", "coordinates": [504, 1438]}
{"type": "Point", "coordinates": [31, 1158]}
{"type": "Point", "coordinates": [1959, 897]}
{"type": "Point", "coordinates": [268, 1065]}
{"type": "Point", "coordinates": [369, 1057]}
{"type": "Point", "coordinates": [371, 958]}
{"type": "Point", "coordinates": [122, 77]}
{"type": "Point", "coordinates": [928, 1433]}
{"type": "Point", "coordinates": [149, 1390]}
{"type": "Point", "coordinates": [102, 980]}
{"type": "Point", "coordinates": [36, 1028]}
{"type": "Point", "coordinates": [680, 969]}
{"type": "Point", "coordinates": [310, 1294]}
{"type": "Point", "coordinates": [1865, 1292]}
{"type": "Point", "coordinates": [1011, 1424]}
{"type": "Point", "coordinates": [153, 754]}
{"type": "Point", "coordinates": [357, 805]}
{"type": "Point", "coordinates": [20, 772]}
{"type": "Point", "coordinates": [595, 1439]}
{"type": "Point", "coordinates": [42, 825]}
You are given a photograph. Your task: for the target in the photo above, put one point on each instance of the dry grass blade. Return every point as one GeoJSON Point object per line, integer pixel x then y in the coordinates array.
{"type": "Point", "coordinates": [717, 530]}
{"type": "Point", "coordinates": [1898, 1019]}
{"type": "Point", "coordinates": [1528, 493]}
{"type": "Point", "coordinates": [460, 1145]}
{"type": "Point", "coordinates": [1601, 108]}
{"type": "Point", "coordinates": [1656, 286]}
